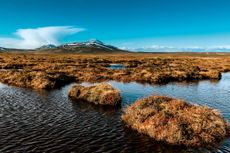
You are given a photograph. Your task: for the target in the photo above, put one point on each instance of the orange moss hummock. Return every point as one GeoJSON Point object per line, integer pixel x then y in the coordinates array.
{"type": "Point", "coordinates": [176, 122]}
{"type": "Point", "coordinates": [36, 79]}
{"type": "Point", "coordinates": [45, 71]}
{"type": "Point", "coordinates": [102, 94]}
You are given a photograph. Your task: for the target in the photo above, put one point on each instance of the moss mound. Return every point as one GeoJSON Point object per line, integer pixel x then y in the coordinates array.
{"type": "Point", "coordinates": [176, 122]}
{"type": "Point", "coordinates": [102, 94]}
{"type": "Point", "coordinates": [36, 79]}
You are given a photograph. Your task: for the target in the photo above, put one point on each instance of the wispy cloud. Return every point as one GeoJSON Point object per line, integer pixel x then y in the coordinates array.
{"type": "Point", "coordinates": [33, 38]}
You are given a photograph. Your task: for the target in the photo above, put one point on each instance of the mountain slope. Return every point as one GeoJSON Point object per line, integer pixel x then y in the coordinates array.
{"type": "Point", "coordinates": [49, 46]}
{"type": "Point", "coordinates": [94, 44]}
{"type": "Point", "coordinates": [2, 49]}
{"type": "Point", "coordinates": [91, 46]}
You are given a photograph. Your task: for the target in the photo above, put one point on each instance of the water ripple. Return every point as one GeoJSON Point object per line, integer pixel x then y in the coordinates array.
{"type": "Point", "coordinates": [32, 121]}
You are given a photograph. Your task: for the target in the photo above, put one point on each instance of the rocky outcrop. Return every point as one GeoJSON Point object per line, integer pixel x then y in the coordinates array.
{"type": "Point", "coordinates": [101, 94]}
{"type": "Point", "coordinates": [176, 122]}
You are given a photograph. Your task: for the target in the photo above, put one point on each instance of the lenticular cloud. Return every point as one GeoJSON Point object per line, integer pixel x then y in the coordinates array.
{"type": "Point", "coordinates": [33, 38]}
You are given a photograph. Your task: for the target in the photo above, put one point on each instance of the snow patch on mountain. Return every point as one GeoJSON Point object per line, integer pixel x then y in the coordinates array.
{"type": "Point", "coordinates": [91, 43]}
{"type": "Point", "coordinates": [49, 46]}
{"type": "Point", "coordinates": [1, 48]}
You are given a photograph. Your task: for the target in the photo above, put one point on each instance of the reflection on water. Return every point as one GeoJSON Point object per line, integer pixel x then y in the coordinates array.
{"type": "Point", "coordinates": [47, 121]}
{"type": "Point", "coordinates": [213, 94]}
{"type": "Point", "coordinates": [116, 66]}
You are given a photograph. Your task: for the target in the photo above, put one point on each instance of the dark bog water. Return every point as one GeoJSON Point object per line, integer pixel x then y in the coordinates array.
{"type": "Point", "coordinates": [32, 121]}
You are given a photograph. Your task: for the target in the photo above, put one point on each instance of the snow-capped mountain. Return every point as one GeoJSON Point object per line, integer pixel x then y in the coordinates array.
{"type": "Point", "coordinates": [1, 48]}
{"type": "Point", "coordinates": [49, 46]}
{"type": "Point", "coordinates": [93, 43]}
{"type": "Point", "coordinates": [91, 46]}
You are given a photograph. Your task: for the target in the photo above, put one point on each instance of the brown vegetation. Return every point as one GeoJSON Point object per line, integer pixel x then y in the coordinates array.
{"type": "Point", "coordinates": [176, 122]}
{"type": "Point", "coordinates": [102, 94]}
{"type": "Point", "coordinates": [36, 80]}
{"type": "Point", "coordinates": [28, 69]}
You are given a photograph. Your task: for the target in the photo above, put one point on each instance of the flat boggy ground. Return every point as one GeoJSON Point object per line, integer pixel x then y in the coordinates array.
{"type": "Point", "coordinates": [48, 71]}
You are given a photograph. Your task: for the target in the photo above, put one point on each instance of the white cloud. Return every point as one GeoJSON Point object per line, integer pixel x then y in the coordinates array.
{"type": "Point", "coordinates": [33, 38]}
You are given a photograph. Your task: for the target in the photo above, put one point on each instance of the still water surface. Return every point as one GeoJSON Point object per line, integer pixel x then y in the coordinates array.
{"type": "Point", "coordinates": [116, 66]}
{"type": "Point", "coordinates": [48, 121]}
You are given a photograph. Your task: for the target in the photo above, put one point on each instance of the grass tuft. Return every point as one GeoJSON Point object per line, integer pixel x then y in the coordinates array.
{"type": "Point", "coordinates": [176, 122]}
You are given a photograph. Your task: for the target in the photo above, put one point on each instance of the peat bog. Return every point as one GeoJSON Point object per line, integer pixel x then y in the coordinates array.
{"type": "Point", "coordinates": [49, 121]}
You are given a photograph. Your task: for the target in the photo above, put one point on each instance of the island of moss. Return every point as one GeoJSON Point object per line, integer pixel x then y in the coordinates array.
{"type": "Point", "coordinates": [102, 94]}
{"type": "Point", "coordinates": [176, 122]}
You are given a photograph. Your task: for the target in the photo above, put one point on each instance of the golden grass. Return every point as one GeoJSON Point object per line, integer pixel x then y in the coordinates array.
{"type": "Point", "coordinates": [176, 122]}
{"type": "Point", "coordinates": [36, 80]}
{"type": "Point", "coordinates": [21, 69]}
{"type": "Point", "coordinates": [100, 94]}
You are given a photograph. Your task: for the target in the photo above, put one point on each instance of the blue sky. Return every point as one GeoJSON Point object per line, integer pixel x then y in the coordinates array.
{"type": "Point", "coordinates": [124, 23]}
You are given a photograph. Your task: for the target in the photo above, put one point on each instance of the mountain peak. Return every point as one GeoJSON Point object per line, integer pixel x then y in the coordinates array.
{"type": "Point", "coordinates": [92, 43]}
{"type": "Point", "coordinates": [1, 48]}
{"type": "Point", "coordinates": [90, 46]}
{"type": "Point", "coordinates": [48, 46]}
{"type": "Point", "coordinates": [95, 41]}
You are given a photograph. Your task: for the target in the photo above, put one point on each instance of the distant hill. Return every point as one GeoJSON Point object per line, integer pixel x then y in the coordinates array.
{"type": "Point", "coordinates": [13, 50]}
{"type": "Point", "coordinates": [2, 49]}
{"type": "Point", "coordinates": [91, 46]}
{"type": "Point", "coordinates": [182, 49]}
{"type": "Point", "coordinates": [49, 46]}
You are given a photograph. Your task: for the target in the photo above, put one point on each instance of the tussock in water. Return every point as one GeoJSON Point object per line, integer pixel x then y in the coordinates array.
{"type": "Point", "coordinates": [102, 94]}
{"type": "Point", "coordinates": [176, 122]}
{"type": "Point", "coordinates": [36, 80]}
